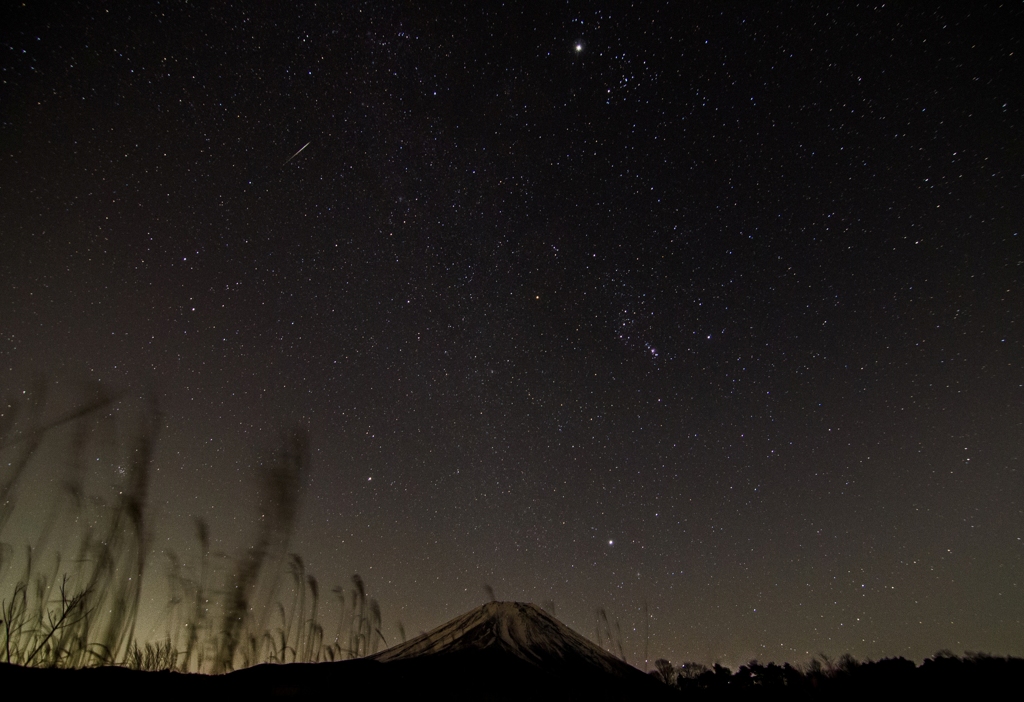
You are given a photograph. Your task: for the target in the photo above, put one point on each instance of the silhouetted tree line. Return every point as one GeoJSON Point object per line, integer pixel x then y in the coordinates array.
{"type": "Point", "coordinates": [972, 676]}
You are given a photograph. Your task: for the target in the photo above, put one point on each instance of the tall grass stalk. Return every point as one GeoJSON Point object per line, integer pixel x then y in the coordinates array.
{"type": "Point", "coordinates": [83, 611]}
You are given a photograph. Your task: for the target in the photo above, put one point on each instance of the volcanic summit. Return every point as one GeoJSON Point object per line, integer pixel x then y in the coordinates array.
{"type": "Point", "coordinates": [518, 629]}
{"type": "Point", "coordinates": [501, 650]}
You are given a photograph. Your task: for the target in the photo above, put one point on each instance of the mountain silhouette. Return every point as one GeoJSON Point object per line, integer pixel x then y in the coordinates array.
{"type": "Point", "coordinates": [499, 652]}
{"type": "Point", "coordinates": [507, 650]}
{"type": "Point", "coordinates": [518, 629]}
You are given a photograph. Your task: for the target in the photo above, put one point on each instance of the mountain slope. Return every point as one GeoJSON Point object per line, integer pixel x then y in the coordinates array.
{"type": "Point", "coordinates": [516, 628]}
{"type": "Point", "coordinates": [500, 652]}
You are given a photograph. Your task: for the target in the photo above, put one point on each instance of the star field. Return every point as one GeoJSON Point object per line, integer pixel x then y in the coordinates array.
{"type": "Point", "coordinates": [713, 310]}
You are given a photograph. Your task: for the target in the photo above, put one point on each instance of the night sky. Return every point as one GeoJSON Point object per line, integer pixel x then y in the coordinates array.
{"type": "Point", "coordinates": [715, 307]}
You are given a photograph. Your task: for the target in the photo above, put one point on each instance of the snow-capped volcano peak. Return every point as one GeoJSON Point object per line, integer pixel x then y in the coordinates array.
{"type": "Point", "coordinates": [517, 628]}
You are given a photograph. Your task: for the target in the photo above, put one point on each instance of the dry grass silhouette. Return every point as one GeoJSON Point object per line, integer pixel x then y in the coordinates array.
{"type": "Point", "coordinates": [77, 605]}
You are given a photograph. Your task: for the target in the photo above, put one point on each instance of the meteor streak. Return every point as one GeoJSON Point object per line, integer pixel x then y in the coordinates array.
{"type": "Point", "coordinates": [297, 152]}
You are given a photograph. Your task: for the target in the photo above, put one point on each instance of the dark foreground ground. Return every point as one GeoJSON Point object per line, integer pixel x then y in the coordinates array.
{"type": "Point", "coordinates": [480, 676]}
{"type": "Point", "coordinates": [453, 677]}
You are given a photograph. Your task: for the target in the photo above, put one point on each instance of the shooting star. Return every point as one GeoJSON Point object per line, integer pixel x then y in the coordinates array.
{"type": "Point", "coordinates": [297, 153]}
